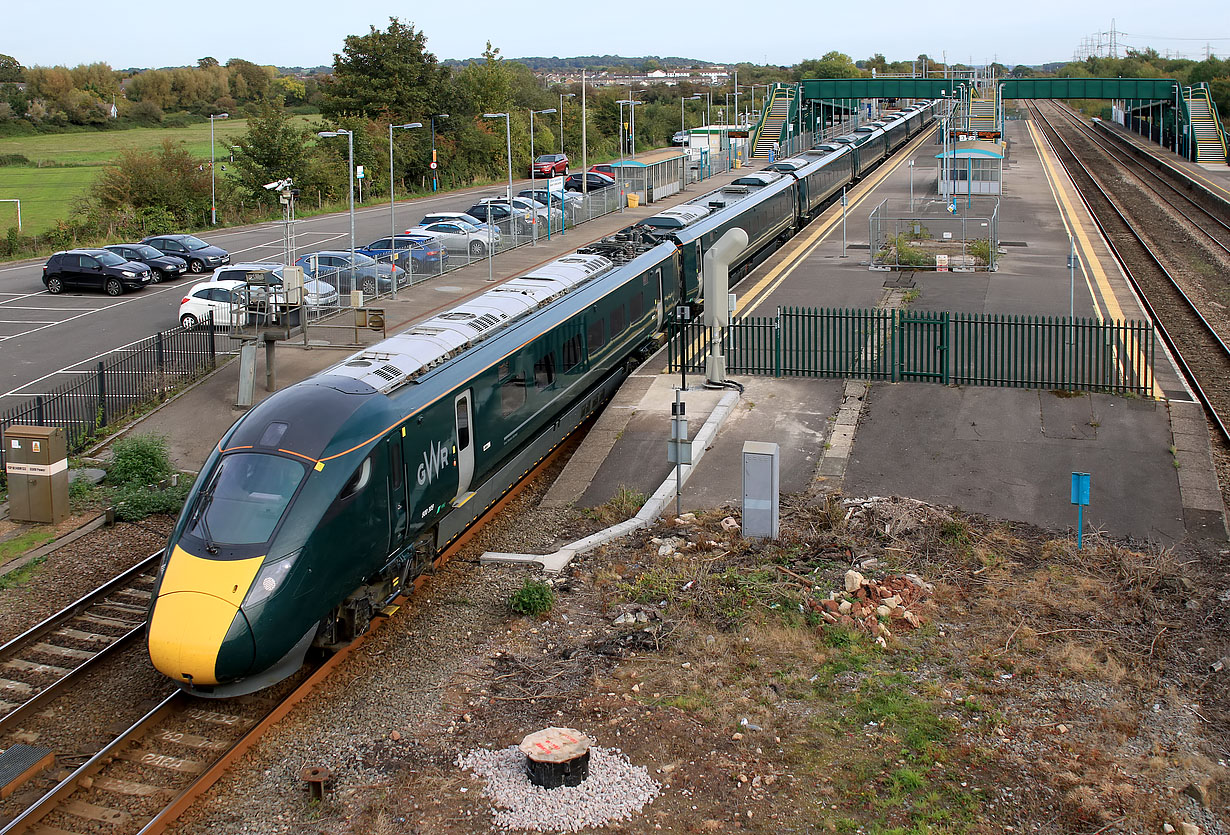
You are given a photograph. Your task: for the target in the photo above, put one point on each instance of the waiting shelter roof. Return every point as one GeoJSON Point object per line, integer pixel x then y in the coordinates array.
{"type": "Point", "coordinates": [974, 149]}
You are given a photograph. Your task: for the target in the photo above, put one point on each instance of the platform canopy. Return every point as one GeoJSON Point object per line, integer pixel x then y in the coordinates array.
{"type": "Point", "coordinates": [974, 149]}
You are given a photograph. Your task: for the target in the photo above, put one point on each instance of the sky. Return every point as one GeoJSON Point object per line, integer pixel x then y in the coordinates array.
{"type": "Point", "coordinates": [309, 34]}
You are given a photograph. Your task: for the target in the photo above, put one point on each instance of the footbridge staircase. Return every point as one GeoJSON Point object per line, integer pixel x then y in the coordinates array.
{"type": "Point", "coordinates": [1208, 137]}
{"type": "Point", "coordinates": [771, 129]}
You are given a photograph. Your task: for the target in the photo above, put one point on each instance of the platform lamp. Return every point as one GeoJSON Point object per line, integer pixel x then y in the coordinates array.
{"type": "Point", "coordinates": [213, 200]}
{"type": "Point", "coordinates": [563, 96]}
{"type": "Point", "coordinates": [392, 210]}
{"type": "Point", "coordinates": [490, 220]}
{"type": "Point", "coordinates": [435, 164]}
{"type": "Point", "coordinates": [327, 134]}
{"type": "Point", "coordinates": [534, 234]}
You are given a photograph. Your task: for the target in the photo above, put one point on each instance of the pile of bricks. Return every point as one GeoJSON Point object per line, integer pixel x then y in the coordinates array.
{"type": "Point", "coordinates": [878, 606]}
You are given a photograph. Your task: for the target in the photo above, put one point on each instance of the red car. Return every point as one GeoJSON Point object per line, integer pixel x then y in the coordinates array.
{"type": "Point", "coordinates": [550, 165]}
{"type": "Point", "coordinates": [604, 168]}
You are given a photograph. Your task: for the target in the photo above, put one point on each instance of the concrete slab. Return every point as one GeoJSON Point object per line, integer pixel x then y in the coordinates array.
{"type": "Point", "coordinates": [989, 451]}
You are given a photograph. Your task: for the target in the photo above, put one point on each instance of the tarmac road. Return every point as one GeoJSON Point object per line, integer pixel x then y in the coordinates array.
{"type": "Point", "coordinates": [45, 337]}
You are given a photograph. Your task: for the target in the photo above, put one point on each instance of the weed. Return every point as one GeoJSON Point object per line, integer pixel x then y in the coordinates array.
{"type": "Point", "coordinates": [19, 576]}
{"type": "Point", "coordinates": [27, 541]}
{"type": "Point", "coordinates": [135, 502]}
{"type": "Point", "coordinates": [909, 297]}
{"type": "Point", "coordinates": [534, 598]}
{"type": "Point", "coordinates": [980, 248]}
{"type": "Point", "coordinates": [140, 459]}
{"type": "Point", "coordinates": [623, 505]}
{"type": "Point", "coordinates": [955, 533]}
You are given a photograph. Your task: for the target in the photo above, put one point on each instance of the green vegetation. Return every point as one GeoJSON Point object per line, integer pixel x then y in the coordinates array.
{"type": "Point", "coordinates": [980, 248]}
{"type": "Point", "coordinates": [137, 482]}
{"type": "Point", "coordinates": [22, 543]}
{"type": "Point", "coordinates": [19, 576]}
{"type": "Point", "coordinates": [534, 598]}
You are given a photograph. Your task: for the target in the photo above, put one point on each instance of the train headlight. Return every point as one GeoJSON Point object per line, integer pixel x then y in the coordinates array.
{"type": "Point", "coordinates": [269, 579]}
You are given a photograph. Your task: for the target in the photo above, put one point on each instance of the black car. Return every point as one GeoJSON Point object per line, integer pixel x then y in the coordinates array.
{"type": "Point", "coordinates": [162, 267]}
{"type": "Point", "coordinates": [199, 255]}
{"type": "Point", "coordinates": [97, 269]}
{"type": "Point", "coordinates": [597, 181]}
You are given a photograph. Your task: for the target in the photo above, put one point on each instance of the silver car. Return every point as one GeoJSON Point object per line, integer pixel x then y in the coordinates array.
{"type": "Point", "coordinates": [459, 236]}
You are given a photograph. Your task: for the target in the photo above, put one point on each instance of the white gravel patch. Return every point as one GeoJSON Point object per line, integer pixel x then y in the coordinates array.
{"type": "Point", "coordinates": [615, 790]}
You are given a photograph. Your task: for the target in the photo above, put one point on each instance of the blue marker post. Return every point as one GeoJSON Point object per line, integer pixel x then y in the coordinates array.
{"type": "Point", "coordinates": [1080, 498]}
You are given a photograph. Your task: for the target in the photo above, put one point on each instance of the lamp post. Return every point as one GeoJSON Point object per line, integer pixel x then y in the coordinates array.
{"type": "Point", "coordinates": [435, 165]}
{"type": "Point", "coordinates": [490, 222]}
{"type": "Point", "coordinates": [326, 134]}
{"type": "Point", "coordinates": [563, 96]}
{"type": "Point", "coordinates": [392, 209]}
{"type": "Point", "coordinates": [534, 226]}
{"type": "Point", "coordinates": [213, 200]}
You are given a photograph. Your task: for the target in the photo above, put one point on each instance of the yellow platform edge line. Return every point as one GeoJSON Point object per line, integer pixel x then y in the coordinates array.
{"type": "Point", "coordinates": [1071, 222]}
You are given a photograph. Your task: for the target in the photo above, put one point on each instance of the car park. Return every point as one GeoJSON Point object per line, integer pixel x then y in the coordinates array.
{"type": "Point", "coordinates": [549, 165]}
{"type": "Point", "coordinates": [199, 255]}
{"type": "Point", "coordinates": [532, 207]}
{"type": "Point", "coordinates": [95, 269]}
{"type": "Point", "coordinates": [594, 181]}
{"type": "Point", "coordinates": [419, 253]}
{"type": "Point", "coordinates": [680, 137]}
{"type": "Point", "coordinates": [459, 236]}
{"type": "Point", "coordinates": [605, 168]}
{"type": "Point", "coordinates": [348, 273]}
{"type": "Point", "coordinates": [497, 210]}
{"type": "Point", "coordinates": [446, 217]}
{"type": "Point", "coordinates": [162, 267]}
{"type": "Point", "coordinates": [316, 293]}
{"type": "Point", "coordinates": [571, 200]}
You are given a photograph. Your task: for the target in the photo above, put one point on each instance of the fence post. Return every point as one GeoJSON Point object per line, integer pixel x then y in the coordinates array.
{"type": "Point", "coordinates": [102, 395]}
{"type": "Point", "coordinates": [39, 411]}
{"type": "Point", "coordinates": [160, 365]}
{"type": "Point", "coordinates": [946, 341]}
{"type": "Point", "coordinates": [213, 360]}
{"type": "Point", "coordinates": [777, 344]}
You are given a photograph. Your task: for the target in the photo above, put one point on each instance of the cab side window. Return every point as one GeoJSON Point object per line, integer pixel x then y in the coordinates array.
{"type": "Point", "coordinates": [358, 481]}
{"type": "Point", "coordinates": [544, 372]}
{"type": "Point", "coordinates": [512, 389]}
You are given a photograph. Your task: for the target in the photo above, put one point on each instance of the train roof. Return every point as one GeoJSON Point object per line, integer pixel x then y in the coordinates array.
{"type": "Point", "coordinates": [703, 207]}
{"type": "Point", "coordinates": [677, 217]}
{"type": "Point", "coordinates": [400, 359]}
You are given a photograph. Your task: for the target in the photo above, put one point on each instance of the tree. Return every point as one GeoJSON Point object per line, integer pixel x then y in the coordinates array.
{"type": "Point", "coordinates": [272, 148]}
{"type": "Point", "coordinates": [168, 179]}
{"type": "Point", "coordinates": [832, 65]}
{"type": "Point", "coordinates": [10, 69]}
{"type": "Point", "coordinates": [384, 73]}
{"type": "Point", "coordinates": [207, 62]}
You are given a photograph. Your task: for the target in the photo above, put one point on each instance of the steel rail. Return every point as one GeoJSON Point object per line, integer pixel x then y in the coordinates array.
{"type": "Point", "coordinates": [28, 638]}
{"type": "Point", "coordinates": [1208, 330]}
{"type": "Point", "coordinates": [1137, 168]}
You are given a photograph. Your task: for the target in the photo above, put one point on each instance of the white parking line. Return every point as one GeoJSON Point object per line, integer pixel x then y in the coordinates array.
{"type": "Point", "coordinates": [54, 309]}
{"type": "Point", "coordinates": [26, 322]}
{"type": "Point", "coordinates": [19, 297]}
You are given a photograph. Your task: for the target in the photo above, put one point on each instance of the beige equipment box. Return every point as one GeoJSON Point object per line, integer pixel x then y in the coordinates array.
{"type": "Point", "coordinates": [36, 463]}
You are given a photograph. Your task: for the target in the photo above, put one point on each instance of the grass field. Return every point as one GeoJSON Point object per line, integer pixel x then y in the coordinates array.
{"type": "Point", "coordinates": [47, 194]}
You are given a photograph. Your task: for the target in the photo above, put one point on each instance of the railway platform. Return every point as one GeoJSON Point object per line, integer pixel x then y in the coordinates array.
{"type": "Point", "coordinates": [1215, 178]}
{"type": "Point", "coordinates": [1004, 452]}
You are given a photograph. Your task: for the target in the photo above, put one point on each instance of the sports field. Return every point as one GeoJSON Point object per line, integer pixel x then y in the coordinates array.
{"type": "Point", "coordinates": [47, 193]}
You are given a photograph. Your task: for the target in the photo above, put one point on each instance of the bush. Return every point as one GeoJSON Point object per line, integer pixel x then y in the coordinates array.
{"type": "Point", "coordinates": [533, 598]}
{"type": "Point", "coordinates": [140, 460]}
{"type": "Point", "coordinates": [14, 159]}
{"type": "Point", "coordinates": [134, 502]}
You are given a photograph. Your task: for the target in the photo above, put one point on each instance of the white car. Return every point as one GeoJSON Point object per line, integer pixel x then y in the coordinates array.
{"type": "Point", "coordinates": [450, 217]}
{"type": "Point", "coordinates": [316, 293]}
{"type": "Point", "coordinates": [459, 236]}
{"type": "Point", "coordinates": [224, 299]}
{"type": "Point", "coordinates": [529, 204]}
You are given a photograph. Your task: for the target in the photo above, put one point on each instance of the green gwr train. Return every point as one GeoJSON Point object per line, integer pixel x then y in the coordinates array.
{"type": "Point", "coordinates": [319, 505]}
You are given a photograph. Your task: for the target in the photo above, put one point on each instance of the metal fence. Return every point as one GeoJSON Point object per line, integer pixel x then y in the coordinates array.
{"type": "Point", "coordinates": [122, 383]}
{"type": "Point", "coordinates": [973, 349]}
{"type": "Point", "coordinates": [962, 236]}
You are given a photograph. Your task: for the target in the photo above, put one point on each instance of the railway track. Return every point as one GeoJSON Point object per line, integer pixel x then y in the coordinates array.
{"type": "Point", "coordinates": [1203, 356]}
{"type": "Point", "coordinates": [42, 663]}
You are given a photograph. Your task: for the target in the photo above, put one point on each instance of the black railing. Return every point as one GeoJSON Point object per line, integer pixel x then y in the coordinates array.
{"type": "Point", "coordinates": [123, 383]}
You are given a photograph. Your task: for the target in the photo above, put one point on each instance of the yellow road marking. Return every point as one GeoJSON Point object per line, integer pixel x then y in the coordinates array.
{"type": "Point", "coordinates": [774, 278]}
{"type": "Point", "coordinates": [1068, 212]}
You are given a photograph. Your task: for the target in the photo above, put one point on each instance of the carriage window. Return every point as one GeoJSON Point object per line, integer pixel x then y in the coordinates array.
{"type": "Point", "coordinates": [637, 305]}
{"type": "Point", "coordinates": [595, 336]}
{"type": "Point", "coordinates": [544, 371]}
{"type": "Point", "coordinates": [396, 465]}
{"type": "Point", "coordinates": [617, 320]}
{"type": "Point", "coordinates": [359, 480]}
{"type": "Point", "coordinates": [572, 353]}
{"type": "Point", "coordinates": [463, 422]}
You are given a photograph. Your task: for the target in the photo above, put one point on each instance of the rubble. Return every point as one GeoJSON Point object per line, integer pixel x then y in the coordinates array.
{"type": "Point", "coordinates": [876, 606]}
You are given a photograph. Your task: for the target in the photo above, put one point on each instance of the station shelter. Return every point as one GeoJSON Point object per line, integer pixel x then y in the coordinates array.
{"type": "Point", "coordinates": [973, 166]}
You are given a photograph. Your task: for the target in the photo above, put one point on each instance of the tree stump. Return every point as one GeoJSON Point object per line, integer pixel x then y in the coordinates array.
{"type": "Point", "coordinates": [556, 757]}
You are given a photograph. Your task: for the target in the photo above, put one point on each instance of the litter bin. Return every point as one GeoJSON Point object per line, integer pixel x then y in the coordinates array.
{"type": "Point", "coordinates": [36, 463]}
{"type": "Point", "coordinates": [634, 200]}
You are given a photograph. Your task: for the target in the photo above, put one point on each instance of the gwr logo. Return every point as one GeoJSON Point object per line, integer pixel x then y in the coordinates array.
{"type": "Point", "coordinates": [434, 460]}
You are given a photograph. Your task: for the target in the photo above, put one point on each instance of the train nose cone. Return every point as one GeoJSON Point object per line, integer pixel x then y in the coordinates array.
{"type": "Point", "coordinates": [200, 639]}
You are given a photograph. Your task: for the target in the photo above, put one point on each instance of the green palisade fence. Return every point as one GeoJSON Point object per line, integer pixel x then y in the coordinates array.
{"type": "Point", "coordinates": [931, 346]}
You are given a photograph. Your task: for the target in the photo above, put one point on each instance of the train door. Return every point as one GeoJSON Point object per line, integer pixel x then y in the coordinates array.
{"type": "Point", "coordinates": [661, 300]}
{"type": "Point", "coordinates": [700, 275]}
{"type": "Point", "coordinates": [398, 502]}
{"type": "Point", "coordinates": [462, 409]}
